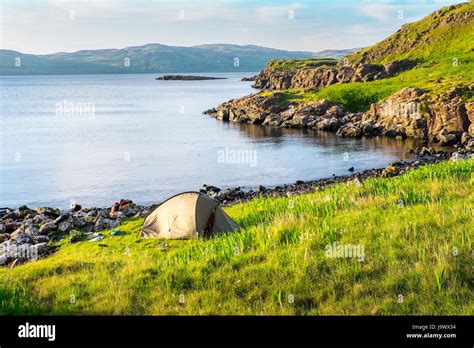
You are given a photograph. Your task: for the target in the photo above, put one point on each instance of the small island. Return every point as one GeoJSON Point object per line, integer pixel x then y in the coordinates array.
{"type": "Point", "coordinates": [187, 78]}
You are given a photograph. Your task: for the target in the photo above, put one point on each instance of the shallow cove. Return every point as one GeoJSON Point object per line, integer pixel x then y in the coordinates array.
{"type": "Point", "coordinates": [147, 140]}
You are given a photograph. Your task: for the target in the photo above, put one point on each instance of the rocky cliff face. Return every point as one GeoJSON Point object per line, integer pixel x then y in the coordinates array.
{"type": "Point", "coordinates": [326, 74]}
{"type": "Point", "coordinates": [411, 112]}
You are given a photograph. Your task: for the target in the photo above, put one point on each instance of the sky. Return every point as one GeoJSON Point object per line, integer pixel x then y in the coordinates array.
{"type": "Point", "coordinates": [48, 26]}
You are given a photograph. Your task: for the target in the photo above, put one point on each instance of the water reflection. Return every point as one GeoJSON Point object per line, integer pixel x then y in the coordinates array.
{"type": "Point", "coordinates": [277, 135]}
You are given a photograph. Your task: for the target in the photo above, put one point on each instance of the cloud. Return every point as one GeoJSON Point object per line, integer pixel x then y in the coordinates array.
{"type": "Point", "coordinates": [379, 11]}
{"type": "Point", "coordinates": [270, 14]}
{"type": "Point", "coordinates": [45, 26]}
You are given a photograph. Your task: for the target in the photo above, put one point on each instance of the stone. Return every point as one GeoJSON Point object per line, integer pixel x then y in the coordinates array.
{"type": "Point", "coordinates": [47, 228]}
{"type": "Point", "coordinates": [400, 114]}
{"type": "Point", "coordinates": [52, 213]}
{"type": "Point", "coordinates": [40, 239]}
{"type": "Point", "coordinates": [66, 225]}
{"type": "Point", "coordinates": [328, 124]}
{"type": "Point", "coordinates": [80, 221]}
{"type": "Point", "coordinates": [31, 231]}
{"type": "Point", "coordinates": [446, 138]}
{"type": "Point", "coordinates": [61, 218]}
{"type": "Point", "coordinates": [273, 120]}
{"type": "Point", "coordinates": [448, 113]}
{"type": "Point", "coordinates": [76, 207]}
{"type": "Point", "coordinates": [104, 224]}
{"type": "Point", "coordinates": [396, 66]}
{"type": "Point", "coordinates": [351, 130]}
{"type": "Point", "coordinates": [19, 236]}
{"type": "Point", "coordinates": [23, 212]}
{"type": "Point", "coordinates": [4, 237]}
{"type": "Point", "coordinates": [465, 137]}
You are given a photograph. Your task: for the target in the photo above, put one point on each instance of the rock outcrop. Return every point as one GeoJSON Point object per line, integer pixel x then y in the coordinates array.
{"type": "Point", "coordinates": [410, 112]}
{"type": "Point", "coordinates": [325, 74]}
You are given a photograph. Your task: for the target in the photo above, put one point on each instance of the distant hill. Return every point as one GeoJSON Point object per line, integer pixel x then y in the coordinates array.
{"type": "Point", "coordinates": [152, 58]}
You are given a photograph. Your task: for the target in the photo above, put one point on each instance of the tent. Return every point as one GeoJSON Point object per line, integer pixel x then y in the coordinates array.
{"type": "Point", "coordinates": [187, 215]}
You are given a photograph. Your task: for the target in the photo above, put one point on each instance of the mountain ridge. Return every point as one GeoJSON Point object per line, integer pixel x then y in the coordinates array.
{"type": "Point", "coordinates": [152, 58]}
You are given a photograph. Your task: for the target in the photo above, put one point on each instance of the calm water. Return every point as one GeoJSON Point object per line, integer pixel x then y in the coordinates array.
{"type": "Point", "coordinates": [98, 138]}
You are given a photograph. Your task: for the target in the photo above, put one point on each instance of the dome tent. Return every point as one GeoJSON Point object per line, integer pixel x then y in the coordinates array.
{"type": "Point", "coordinates": [187, 215]}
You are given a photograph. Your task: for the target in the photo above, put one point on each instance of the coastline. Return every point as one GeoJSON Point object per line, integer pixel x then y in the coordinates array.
{"type": "Point", "coordinates": [32, 230]}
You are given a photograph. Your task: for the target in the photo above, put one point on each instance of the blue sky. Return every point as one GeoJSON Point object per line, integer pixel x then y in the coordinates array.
{"type": "Point", "coordinates": [47, 26]}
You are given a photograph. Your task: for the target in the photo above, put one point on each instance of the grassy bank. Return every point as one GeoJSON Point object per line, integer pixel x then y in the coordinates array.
{"type": "Point", "coordinates": [357, 96]}
{"type": "Point", "coordinates": [415, 230]}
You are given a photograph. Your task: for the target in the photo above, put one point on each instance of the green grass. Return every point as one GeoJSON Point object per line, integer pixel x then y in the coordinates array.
{"type": "Point", "coordinates": [284, 64]}
{"type": "Point", "coordinates": [357, 96]}
{"type": "Point", "coordinates": [416, 230]}
{"type": "Point", "coordinates": [427, 40]}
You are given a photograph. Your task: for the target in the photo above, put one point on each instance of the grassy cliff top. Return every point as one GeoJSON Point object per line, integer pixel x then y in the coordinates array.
{"type": "Point", "coordinates": [299, 63]}
{"type": "Point", "coordinates": [444, 35]}
{"type": "Point", "coordinates": [416, 231]}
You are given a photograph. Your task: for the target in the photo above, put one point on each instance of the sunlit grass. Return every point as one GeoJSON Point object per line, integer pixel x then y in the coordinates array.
{"type": "Point", "coordinates": [416, 231]}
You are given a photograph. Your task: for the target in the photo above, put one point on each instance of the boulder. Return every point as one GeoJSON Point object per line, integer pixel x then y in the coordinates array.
{"type": "Point", "coordinates": [40, 239]}
{"type": "Point", "coordinates": [465, 137]}
{"type": "Point", "coordinates": [10, 225]}
{"type": "Point", "coordinates": [52, 213]}
{"type": "Point", "coordinates": [470, 111]}
{"type": "Point", "coordinates": [273, 120]}
{"type": "Point", "coordinates": [446, 138]}
{"type": "Point", "coordinates": [105, 224]}
{"type": "Point", "coordinates": [47, 228]}
{"type": "Point", "coordinates": [396, 66]}
{"type": "Point", "coordinates": [4, 237]}
{"type": "Point", "coordinates": [368, 72]}
{"type": "Point", "coordinates": [328, 124]}
{"type": "Point", "coordinates": [80, 221]}
{"type": "Point", "coordinates": [352, 130]}
{"type": "Point", "coordinates": [23, 211]}
{"type": "Point", "coordinates": [401, 113]}
{"type": "Point", "coordinates": [66, 225]}
{"type": "Point", "coordinates": [31, 231]}
{"type": "Point", "coordinates": [19, 236]}
{"type": "Point", "coordinates": [76, 207]}
{"type": "Point", "coordinates": [61, 218]}
{"type": "Point", "coordinates": [448, 115]}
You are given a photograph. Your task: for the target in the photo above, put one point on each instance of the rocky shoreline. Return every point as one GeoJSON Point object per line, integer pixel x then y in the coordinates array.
{"type": "Point", "coordinates": [27, 234]}
{"type": "Point", "coordinates": [409, 113]}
